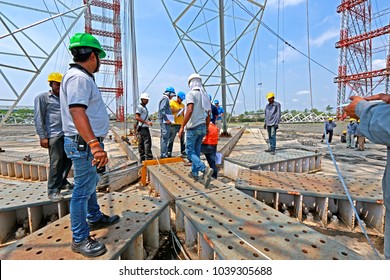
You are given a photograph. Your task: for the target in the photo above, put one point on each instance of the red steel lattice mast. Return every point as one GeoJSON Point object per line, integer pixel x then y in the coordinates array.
{"type": "Point", "coordinates": [112, 29]}
{"type": "Point", "coordinates": [356, 51]}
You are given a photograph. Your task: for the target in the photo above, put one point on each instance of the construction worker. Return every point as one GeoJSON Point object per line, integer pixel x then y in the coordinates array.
{"type": "Point", "coordinates": [329, 126]}
{"type": "Point", "coordinates": [271, 121]}
{"type": "Point", "coordinates": [177, 108]}
{"type": "Point", "coordinates": [374, 124]}
{"type": "Point", "coordinates": [85, 123]}
{"type": "Point", "coordinates": [48, 124]}
{"type": "Point", "coordinates": [166, 117]}
{"type": "Point", "coordinates": [351, 131]}
{"type": "Point", "coordinates": [360, 137]}
{"type": "Point", "coordinates": [196, 121]}
{"type": "Point", "coordinates": [214, 112]}
{"type": "Point", "coordinates": [209, 148]}
{"type": "Point", "coordinates": [343, 137]}
{"type": "Point", "coordinates": [143, 124]}
{"type": "Point", "coordinates": [221, 113]}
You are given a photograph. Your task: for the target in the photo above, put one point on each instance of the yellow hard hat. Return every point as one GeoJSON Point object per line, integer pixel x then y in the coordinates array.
{"type": "Point", "coordinates": [54, 77]}
{"type": "Point", "coordinates": [344, 131]}
{"type": "Point", "coordinates": [270, 95]}
{"type": "Point", "coordinates": [330, 119]}
{"type": "Point", "coordinates": [358, 120]}
{"type": "Point", "coordinates": [352, 119]}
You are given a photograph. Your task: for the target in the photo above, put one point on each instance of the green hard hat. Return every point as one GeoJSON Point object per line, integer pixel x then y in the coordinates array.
{"type": "Point", "coordinates": [86, 40]}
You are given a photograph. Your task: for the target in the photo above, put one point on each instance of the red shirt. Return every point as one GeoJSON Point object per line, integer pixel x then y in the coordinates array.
{"type": "Point", "coordinates": [211, 138]}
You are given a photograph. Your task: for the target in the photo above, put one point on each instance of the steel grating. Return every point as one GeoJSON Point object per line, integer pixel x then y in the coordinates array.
{"type": "Point", "coordinates": [21, 201]}
{"type": "Point", "coordinates": [237, 226]}
{"type": "Point", "coordinates": [141, 220]}
{"type": "Point", "coordinates": [171, 181]}
{"type": "Point", "coordinates": [323, 197]}
{"type": "Point", "coordinates": [287, 160]}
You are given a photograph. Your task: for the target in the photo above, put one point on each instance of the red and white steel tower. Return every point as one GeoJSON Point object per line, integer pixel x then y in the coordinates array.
{"type": "Point", "coordinates": [358, 44]}
{"type": "Point", "coordinates": [109, 19]}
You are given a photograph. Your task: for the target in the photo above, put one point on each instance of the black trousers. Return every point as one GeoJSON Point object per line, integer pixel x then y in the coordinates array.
{"type": "Point", "coordinates": [330, 132]}
{"type": "Point", "coordinates": [144, 144]}
{"type": "Point", "coordinates": [60, 165]}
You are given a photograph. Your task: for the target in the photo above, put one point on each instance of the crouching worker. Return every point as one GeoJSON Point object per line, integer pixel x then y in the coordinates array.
{"type": "Point", "coordinates": [209, 147]}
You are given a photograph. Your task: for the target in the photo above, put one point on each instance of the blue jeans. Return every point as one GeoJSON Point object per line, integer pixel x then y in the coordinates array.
{"type": "Point", "coordinates": [174, 130]}
{"type": "Point", "coordinates": [164, 140]}
{"type": "Point", "coordinates": [210, 152]}
{"type": "Point", "coordinates": [83, 204]}
{"type": "Point", "coordinates": [193, 147]}
{"type": "Point", "coordinates": [272, 137]}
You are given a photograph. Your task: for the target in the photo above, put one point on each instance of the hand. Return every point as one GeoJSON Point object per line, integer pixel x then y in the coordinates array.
{"type": "Point", "coordinates": [168, 122]}
{"type": "Point", "coordinates": [180, 133]}
{"type": "Point", "coordinates": [265, 126]}
{"type": "Point", "coordinates": [380, 96]}
{"type": "Point", "coordinates": [99, 156]}
{"type": "Point", "coordinates": [350, 109]}
{"type": "Point", "coordinates": [44, 143]}
{"type": "Point", "coordinates": [150, 123]}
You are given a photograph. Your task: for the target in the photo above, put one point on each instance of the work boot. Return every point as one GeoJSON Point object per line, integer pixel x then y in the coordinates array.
{"type": "Point", "coordinates": [104, 221]}
{"type": "Point", "coordinates": [89, 247]}
{"type": "Point", "coordinates": [55, 197]}
{"type": "Point", "coordinates": [268, 150]}
{"type": "Point", "coordinates": [68, 186]}
{"type": "Point", "coordinates": [208, 172]}
{"type": "Point", "coordinates": [196, 178]}
{"type": "Point", "coordinates": [272, 152]}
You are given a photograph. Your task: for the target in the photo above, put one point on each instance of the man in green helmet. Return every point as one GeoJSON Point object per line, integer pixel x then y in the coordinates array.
{"type": "Point", "coordinates": [85, 123]}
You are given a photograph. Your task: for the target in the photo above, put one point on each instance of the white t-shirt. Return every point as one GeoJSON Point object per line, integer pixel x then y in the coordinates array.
{"type": "Point", "coordinates": [198, 116]}
{"type": "Point", "coordinates": [79, 89]}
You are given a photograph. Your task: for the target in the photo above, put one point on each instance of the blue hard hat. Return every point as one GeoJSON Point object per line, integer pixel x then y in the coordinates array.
{"type": "Point", "coordinates": [216, 101]}
{"type": "Point", "coordinates": [210, 97]}
{"type": "Point", "coordinates": [170, 89]}
{"type": "Point", "coordinates": [182, 95]}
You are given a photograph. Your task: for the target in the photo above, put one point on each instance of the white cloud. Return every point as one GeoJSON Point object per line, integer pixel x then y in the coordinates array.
{"type": "Point", "coordinates": [295, 100]}
{"type": "Point", "coordinates": [378, 64]}
{"type": "Point", "coordinates": [302, 92]}
{"type": "Point", "coordinates": [274, 3]}
{"type": "Point", "coordinates": [287, 54]}
{"type": "Point", "coordinates": [323, 38]}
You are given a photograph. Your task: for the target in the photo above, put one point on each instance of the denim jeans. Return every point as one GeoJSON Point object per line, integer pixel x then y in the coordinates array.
{"type": "Point", "coordinates": [272, 137]}
{"type": "Point", "coordinates": [210, 152]}
{"type": "Point", "coordinates": [350, 140]}
{"type": "Point", "coordinates": [193, 146]}
{"type": "Point", "coordinates": [174, 130]}
{"type": "Point", "coordinates": [60, 165]}
{"type": "Point", "coordinates": [164, 140]}
{"type": "Point", "coordinates": [83, 205]}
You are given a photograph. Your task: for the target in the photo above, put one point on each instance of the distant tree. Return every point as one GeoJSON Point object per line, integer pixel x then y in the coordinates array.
{"type": "Point", "coordinates": [329, 109]}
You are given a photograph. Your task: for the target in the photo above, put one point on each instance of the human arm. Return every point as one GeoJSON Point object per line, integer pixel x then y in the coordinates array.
{"type": "Point", "coordinates": [164, 104]}
{"type": "Point", "coordinates": [139, 119]}
{"type": "Point", "coordinates": [39, 120]}
{"type": "Point", "coordinates": [187, 117]}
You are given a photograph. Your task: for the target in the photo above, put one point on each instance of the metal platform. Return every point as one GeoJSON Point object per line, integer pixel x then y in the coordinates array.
{"type": "Point", "coordinates": [321, 196]}
{"type": "Point", "coordinates": [21, 201]}
{"type": "Point", "coordinates": [287, 160]}
{"type": "Point", "coordinates": [12, 165]}
{"type": "Point", "coordinates": [221, 222]}
{"type": "Point", "coordinates": [137, 231]}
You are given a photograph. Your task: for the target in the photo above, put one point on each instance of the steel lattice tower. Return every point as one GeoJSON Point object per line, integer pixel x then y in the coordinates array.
{"type": "Point", "coordinates": [358, 45]}
{"type": "Point", "coordinates": [112, 29]}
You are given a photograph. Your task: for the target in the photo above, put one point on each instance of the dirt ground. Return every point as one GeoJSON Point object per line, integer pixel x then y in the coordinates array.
{"type": "Point", "coordinates": [368, 163]}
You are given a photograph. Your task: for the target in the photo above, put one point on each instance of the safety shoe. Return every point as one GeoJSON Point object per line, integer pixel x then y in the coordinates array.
{"type": "Point", "coordinates": [89, 247]}
{"type": "Point", "coordinates": [196, 178]}
{"type": "Point", "coordinates": [272, 152]}
{"type": "Point", "coordinates": [208, 172]}
{"type": "Point", "coordinates": [268, 150]}
{"type": "Point", "coordinates": [55, 197]}
{"type": "Point", "coordinates": [104, 221]}
{"type": "Point", "coordinates": [68, 186]}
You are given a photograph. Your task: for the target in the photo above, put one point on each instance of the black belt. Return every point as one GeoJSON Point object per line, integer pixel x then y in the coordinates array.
{"type": "Point", "coordinates": [77, 137]}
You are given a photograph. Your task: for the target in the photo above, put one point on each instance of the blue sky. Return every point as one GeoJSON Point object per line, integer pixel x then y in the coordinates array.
{"type": "Point", "coordinates": [273, 64]}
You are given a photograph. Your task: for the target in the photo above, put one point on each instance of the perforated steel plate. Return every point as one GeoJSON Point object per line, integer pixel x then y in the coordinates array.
{"type": "Point", "coordinates": [238, 227]}
{"type": "Point", "coordinates": [53, 241]}
{"type": "Point", "coordinates": [20, 195]}
{"type": "Point", "coordinates": [17, 156]}
{"type": "Point", "coordinates": [254, 161]}
{"type": "Point", "coordinates": [362, 189]}
{"type": "Point", "coordinates": [174, 177]}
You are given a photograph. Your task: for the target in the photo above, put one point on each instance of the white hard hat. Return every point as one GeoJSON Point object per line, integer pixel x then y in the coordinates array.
{"type": "Point", "coordinates": [144, 96]}
{"type": "Point", "coordinates": [193, 76]}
